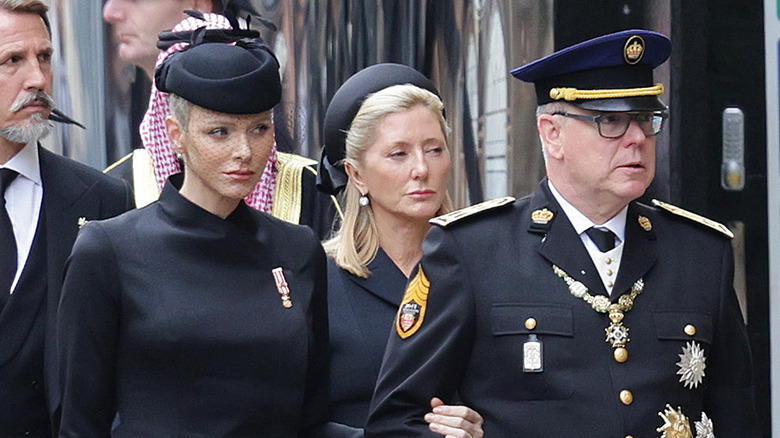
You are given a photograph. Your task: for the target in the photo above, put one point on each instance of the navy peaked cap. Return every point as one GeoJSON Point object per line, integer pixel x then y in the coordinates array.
{"type": "Point", "coordinates": [612, 72]}
{"type": "Point", "coordinates": [342, 109]}
{"type": "Point", "coordinates": [234, 79]}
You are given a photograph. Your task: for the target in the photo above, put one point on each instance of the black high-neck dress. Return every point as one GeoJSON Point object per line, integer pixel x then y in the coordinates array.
{"type": "Point", "coordinates": [171, 317]}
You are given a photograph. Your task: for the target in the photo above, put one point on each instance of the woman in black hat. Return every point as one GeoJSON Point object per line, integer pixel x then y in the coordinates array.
{"type": "Point", "coordinates": [386, 148]}
{"type": "Point", "coordinates": [198, 316]}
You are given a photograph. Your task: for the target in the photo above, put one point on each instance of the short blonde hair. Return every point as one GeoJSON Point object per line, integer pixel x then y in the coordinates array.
{"type": "Point", "coordinates": [180, 109]}
{"type": "Point", "coordinates": [356, 242]}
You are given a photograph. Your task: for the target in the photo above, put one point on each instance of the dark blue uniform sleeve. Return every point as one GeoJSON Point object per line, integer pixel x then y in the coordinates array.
{"type": "Point", "coordinates": [728, 395]}
{"type": "Point", "coordinates": [430, 362]}
{"type": "Point", "coordinates": [87, 330]}
{"type": "Point", "coordinates": [337, 430]}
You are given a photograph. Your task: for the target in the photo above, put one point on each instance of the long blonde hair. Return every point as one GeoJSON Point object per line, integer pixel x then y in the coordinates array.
{"type": "Point", "coordinates": [356, 242]}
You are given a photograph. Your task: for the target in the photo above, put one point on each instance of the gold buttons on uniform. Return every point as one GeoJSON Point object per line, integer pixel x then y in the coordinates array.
{"type": "Point", "coordinates": [626, 397]}
{"type": "Point", "coordinates": [530, 323]}
{"type": "Point", "coordinates": [610, 284]}
{"type": "Point", "coordinates": [609, 271]}
{"type": "Point", "coordinates": [607, 260]}
{"type": "Point", "coordinates": [629, 436]}
{"type": "Point", "coordinates": [621, 354]}
{"type": "Point", "coordinates": [690, 330]}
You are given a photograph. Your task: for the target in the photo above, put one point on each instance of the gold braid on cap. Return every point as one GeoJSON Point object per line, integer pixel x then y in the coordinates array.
{"type": "Point", "coordinates": [570, 94]}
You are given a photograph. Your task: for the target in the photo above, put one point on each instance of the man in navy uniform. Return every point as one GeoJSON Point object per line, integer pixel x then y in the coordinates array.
{"type": "Point", "coordinates": [577, 311]}
{"type": "Point", "coordinates": [44, 197]}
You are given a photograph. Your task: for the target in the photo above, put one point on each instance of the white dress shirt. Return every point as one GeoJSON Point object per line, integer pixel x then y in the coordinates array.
{"type": "Point", "coordinates": [607, 263]}
{"type": "Point", "coordinates": [23, 199]}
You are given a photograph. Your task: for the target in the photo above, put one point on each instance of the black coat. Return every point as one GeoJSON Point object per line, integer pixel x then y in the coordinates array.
{"type": "Point", "coordinates": [361, 313]}
{"type": "Point", "coordinates": [28, 385]}
{"type": "Point", "coordinates": [171, 317]}
{"type": "Point", "coordinates": [491, 272]}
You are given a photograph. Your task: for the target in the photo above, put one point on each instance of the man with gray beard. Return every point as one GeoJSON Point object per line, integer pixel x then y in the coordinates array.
{"type": "Point", "coordinates": [43, 199]}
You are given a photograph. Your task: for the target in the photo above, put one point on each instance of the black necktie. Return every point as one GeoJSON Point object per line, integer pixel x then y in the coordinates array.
{"type": "Point", "coordinates": [7, 240]}
{"type": "Point", "coordinates": [603, 238]}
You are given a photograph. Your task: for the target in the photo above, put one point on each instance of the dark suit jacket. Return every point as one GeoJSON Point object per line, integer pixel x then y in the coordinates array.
{"type": "Point", "coordinates": [489, 273]}
{"type": "Point", "coordinates": [70, 191]}
{"type": "Point", "coordinates": [361, 312]}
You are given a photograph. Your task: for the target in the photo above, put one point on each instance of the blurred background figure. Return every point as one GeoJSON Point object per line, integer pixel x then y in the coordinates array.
{"type": "Point", "coordinates": [137, 24]}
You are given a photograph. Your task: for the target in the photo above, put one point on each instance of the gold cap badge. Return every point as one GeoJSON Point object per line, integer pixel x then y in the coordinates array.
{"type": "Point", "coordinates": [634, 50]}
{"type": "Point", "coordinates": [542, 216]}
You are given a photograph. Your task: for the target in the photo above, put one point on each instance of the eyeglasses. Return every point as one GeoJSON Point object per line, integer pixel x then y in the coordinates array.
{"type": "Point", "coordinates": [615, 125]}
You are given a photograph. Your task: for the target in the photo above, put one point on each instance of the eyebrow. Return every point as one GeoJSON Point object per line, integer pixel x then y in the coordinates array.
{"type": "Point", "coordinates": [20, 49]}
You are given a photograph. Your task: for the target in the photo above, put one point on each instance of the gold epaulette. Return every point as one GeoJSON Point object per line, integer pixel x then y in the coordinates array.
{"type": "Point", "coordinates": [694, 217]}
{"type": "Point", "coordinates": [449, 218]}
{"type": "Point", "coordinates": [295, 161]}
{"type": "Point", "coordinates": [118, 163]}
{"type": "Point", "coordinates": [145, 185]}
{"type": "Point", "coordinates": [288, 192]}
{"type": "Point", "coordinates": [145, 189]}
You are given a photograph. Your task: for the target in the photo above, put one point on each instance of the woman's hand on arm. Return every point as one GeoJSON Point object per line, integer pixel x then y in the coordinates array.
{"type": "Point", "coordinates": [454, 421]}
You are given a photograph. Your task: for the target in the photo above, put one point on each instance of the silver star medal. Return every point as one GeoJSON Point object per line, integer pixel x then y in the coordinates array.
{"type": "Point", "coordinates": [704, 428]}
{"type": "Point", "coordinates": [691, 365]}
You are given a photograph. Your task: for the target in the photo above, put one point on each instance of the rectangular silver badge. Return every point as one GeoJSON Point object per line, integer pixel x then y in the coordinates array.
{"type": "Point", "coordinates": [532, 355]}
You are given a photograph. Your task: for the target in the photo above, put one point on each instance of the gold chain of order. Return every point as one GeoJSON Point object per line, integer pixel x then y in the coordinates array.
{"type": "Point", "coordinates": [617, 333]}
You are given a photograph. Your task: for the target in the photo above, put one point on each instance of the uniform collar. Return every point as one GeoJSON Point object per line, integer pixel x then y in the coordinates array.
{"type": "Point", "coordinates": [580, 222]}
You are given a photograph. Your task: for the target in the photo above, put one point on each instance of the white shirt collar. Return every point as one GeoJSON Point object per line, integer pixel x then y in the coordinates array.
{"type": "Point", "coordinates": [26, 163]}
{"type": "Point", "coordinates": [581, 222]}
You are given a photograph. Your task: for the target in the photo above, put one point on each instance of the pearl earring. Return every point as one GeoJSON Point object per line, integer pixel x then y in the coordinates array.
{"type": "Point", "coordinates": [363, 201]}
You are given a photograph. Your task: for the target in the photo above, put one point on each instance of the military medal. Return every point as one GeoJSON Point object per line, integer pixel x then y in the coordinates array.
{"type": "Point", "coordinates": [532, 355]}
{"type": "Point", "coordinates": [617, 333]}
{"type": "Point", "coordinates": [282, 287]}
{"type": "Point", "coordinates": [691, 365]}
{"type": "Point", "coordinates": [675, 425]}
{"type": "Point", "coordinates": [704, 428]}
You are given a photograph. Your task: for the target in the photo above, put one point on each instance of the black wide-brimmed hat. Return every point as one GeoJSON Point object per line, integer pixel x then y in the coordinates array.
{"type": "Point", "coordinates": [342, 109]}
{"type": "Point", "coordinates": [234, 79]}
{"type": "Point", "coordinates": [613, 72]}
